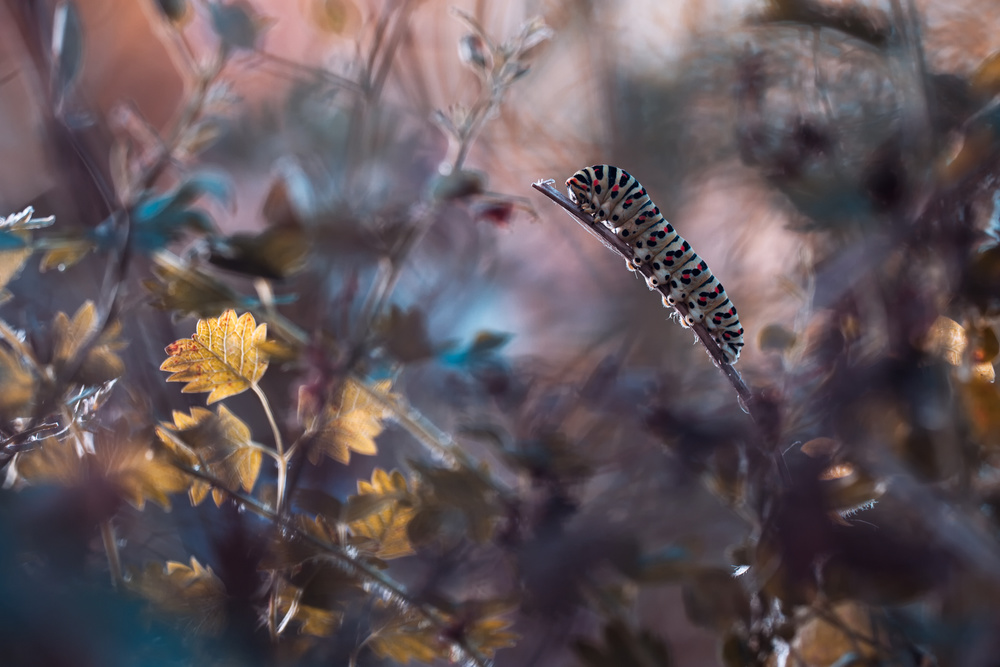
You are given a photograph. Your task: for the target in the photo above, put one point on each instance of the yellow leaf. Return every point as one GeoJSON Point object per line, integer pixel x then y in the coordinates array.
{"type": "Point", "coordinates": [408, 638]}
{"type": "Point", "coordinates": [336, 16]}
{"type": "Point", "coordinates": [193, 591]}
{"type": "Point", "coordinates": [850, 629]}
{"type": "Point", "coordinates": [221, 358]}
{"type": "Point", "coordinates": [490, 634]}
{"type": "Point", "coordinates": [985, 80]}
{"type": "Point", "coordinates": [100, 363]}
{"type": "Point", "coordinates": [17, 387]}
{"type": "Point", "coordinates": [312, 620]}
{"type": "Point", "coordinates": [220, 444]}
{"type": "Point", "coordinates": [122, 459]}
{"type": "Point", "coordinates": [66, 256]}
{"type": "Point", "coordinates": [949, 340]}
{"type": "Point", "coordinates": [185, 290]}
{"type": "Point", "coordinates": [11, 263]}
{"type": "Point", "coordinates": [349, 424]}
{"type": "Point", "coordinates": [387, 527]}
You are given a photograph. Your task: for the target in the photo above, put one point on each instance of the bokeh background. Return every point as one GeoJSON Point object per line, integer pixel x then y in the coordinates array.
{"type": "Point", "coordinates": [834, 162]}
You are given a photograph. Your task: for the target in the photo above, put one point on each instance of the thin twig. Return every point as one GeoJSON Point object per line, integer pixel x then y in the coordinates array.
{"type": "Point", "coordinates": [281, 460]}
{"type": "Point", "coordinates": [316, 73]}
{"type": "Point", "coordinates": [359, 568]}
{"type": "Point", "coordinates": [111, 549]}
{"type": "Point", "coordinates": [431, 436]}
{"type": "Point", "coordinates": [620, 248]}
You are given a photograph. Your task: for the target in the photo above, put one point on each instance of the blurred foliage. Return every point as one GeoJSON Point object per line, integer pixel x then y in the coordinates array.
{"type": "Point", "coordinates": [394, 482]}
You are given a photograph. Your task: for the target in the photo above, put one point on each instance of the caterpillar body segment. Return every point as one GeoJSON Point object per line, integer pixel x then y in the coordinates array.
{"type": "Point", "coordinates": [617, 200]}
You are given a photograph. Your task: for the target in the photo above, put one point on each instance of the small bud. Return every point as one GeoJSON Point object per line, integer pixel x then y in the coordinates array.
{"type": "Point", "coordinates": [178, 12]}
{"type": "Point", "coordinates": [472, 52]}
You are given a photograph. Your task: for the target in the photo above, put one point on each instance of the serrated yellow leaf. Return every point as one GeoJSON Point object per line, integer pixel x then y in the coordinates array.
{"type": "Point", "coordinates": [12, 261]}
{"type": "Point", "coordinates": [222, 357]}
{"type": "Point", "coordinates": [17, 387]}
{"type": "Point", "coordinates": [220, 444]}
{"type": "Point", "coordinates": [64, 257]}
{"type": "Point", "coordinates": [312, 620]}
{"type": "Point", "coordinates": [186, 290]}
{"type": "Point", "coordinates": [420, 642]}
{"type": "Point", "coordinates": [101, 362]}
{"type": "Point", "coordinates": [121, 459]}
{"type": "Point", "coordinates": [387, 527]}
{"type": "Point", "coordinates": [192, 590]}
{"type": "Point", "coordinates": [490, 634]}
{"type": "Point", "coordinates": [350, 424]}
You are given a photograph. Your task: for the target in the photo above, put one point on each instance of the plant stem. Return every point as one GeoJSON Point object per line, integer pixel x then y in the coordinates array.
{"type": "Point", "coordinates": [281, 460]}
{"type": "Point", "coordinates": [111, 549]}
{"type": "Point", "coordinates": [431, 436]}
{"type": "Point", "coordinates": [364, 571]}
{"type": "Point", "coordinates": [270, 418]}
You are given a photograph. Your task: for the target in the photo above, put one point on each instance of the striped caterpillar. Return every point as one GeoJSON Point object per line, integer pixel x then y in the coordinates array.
{"type": "Point", "coordinates": [614, 197]}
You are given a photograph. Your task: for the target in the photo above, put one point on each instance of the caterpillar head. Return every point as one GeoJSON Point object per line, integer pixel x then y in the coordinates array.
{"type": "Point", "coordinates": [579, 191]}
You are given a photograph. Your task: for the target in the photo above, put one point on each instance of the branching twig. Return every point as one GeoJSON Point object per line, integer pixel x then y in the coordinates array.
{"type": "Point", "coordinates": [620, 248]}
{"type": "Point", "coordinates": [361, 569]}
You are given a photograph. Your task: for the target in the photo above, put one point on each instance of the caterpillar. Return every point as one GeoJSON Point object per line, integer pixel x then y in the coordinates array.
{"type": "Point", "coordinates": [615, 198]}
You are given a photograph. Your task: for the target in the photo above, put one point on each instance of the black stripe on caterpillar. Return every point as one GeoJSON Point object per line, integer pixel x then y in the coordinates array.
{"type": "Point", "coordinates": [615, 198]}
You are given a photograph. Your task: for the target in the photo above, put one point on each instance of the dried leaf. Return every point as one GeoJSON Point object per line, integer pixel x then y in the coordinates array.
{"type": "Point", "coordinates": [221, 358]}
{"type": "Point", "coordinates": [405, 335]}
{"type": "Point", "coordinates": [336, 16]}
{"type": "Point", "coordinates": [775, 337]}
{"type": "Point", "coordinates": [17, 387]}
{"type": "Point", "coordinates": [387, 527]}
{"type": "Point", "coordinates": [949, 340]}
{"type": "Point", "coordinates": [275, 253]}
{"type": "Point", "coordinates": [349, 424]}
{"type": "Point", "coordinates": [121, 458]}
{"type": "Point", "coordinates": [219, 443]}
{"type": "Point", "coordinates": [490, 634]}
{"type": "Point", "coordinates": [11, 263]}
{"type": "Point", "coordinates": [187, 291]}
{"type": "Point", "coordinates": [193, 591]}
{"type": "Point", "coordinates": [463, 490]}
{"type": "Point", "coordinates": [314, 621]}
{"type": "Point", "coordinates": [408, 637]}
{"type": "Point", "coordinates": [985, 80]}
{"type": "Point", "coordinates": [982, 405]}
{"type": "Point", "coordinates": [65, 256]}
{"type": "Point", "coordinates": [624, 647]}
{"type": "Point", "coordinates": [101, 362]}
{"type": "Point", "coordinates": [821, 642]}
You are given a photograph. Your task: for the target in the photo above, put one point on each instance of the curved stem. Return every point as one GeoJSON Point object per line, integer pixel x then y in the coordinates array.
{"type": "Point", "coordinates": [281, 460]}
{"type": "Point", "coordinates": [278, 446]}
